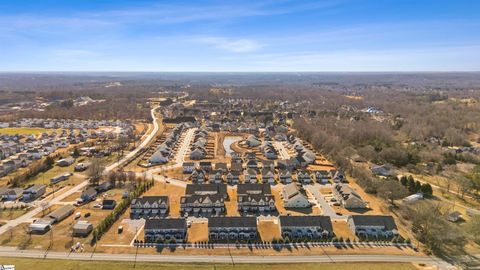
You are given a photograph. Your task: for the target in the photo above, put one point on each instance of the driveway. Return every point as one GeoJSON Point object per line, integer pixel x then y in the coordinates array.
{"type": "Point", "coordinates": [322, 203]}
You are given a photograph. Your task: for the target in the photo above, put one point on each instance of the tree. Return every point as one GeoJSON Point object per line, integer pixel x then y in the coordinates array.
{"type": "Point", "coordinates": [95, 171]}
{"type": "Point", "coordinates": [417, 187]}
{"type": "Point", "coordinates": [411, 184]}
{"type": "Point", "coordinates": [432, 229]}
{"type": "Point", "coordinates": [392, 190]}
{"type": "Point", "coordinates": [426, 189]}
{"type": "Point", "coordinates": [404, 180]}
{"type": "Point", "coordinates": [49, 161]}
{"type": "Point", "coordinates": [76, 153]}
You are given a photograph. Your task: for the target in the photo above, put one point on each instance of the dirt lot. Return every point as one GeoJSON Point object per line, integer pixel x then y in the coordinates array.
{"type": "Point", "coordinates": [231, 204]}
{"type": "Point", "coordinates": [341, 229]}
{"type": "Point", "coordinates": [269, 229]}
{"type": "Point", "coordinates": [198, 231]}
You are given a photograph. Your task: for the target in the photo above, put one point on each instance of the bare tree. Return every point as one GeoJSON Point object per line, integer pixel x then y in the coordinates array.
{"type": "Point", "coordinates": [392, 190]}
{"type": "Point", "coordinates": [95, 171]}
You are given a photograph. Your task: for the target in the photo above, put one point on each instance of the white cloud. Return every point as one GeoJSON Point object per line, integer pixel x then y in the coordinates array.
{"type": "Point", "coordinates": [232, 45]}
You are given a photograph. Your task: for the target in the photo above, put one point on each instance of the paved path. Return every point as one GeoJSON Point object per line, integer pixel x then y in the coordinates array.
{"type": "Point", "coordinates": [9, 252]}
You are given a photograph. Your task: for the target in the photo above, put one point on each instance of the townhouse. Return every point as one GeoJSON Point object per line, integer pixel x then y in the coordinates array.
{"type": "Point", "coordinates": [378, 226]}
{"type": "Point", "coordinates": [293, 196]}
{"type": "Point", "coordinates": [165, 229]}
{"type": "Point", "coordinates": [312, 227]}
{"type": "Point", "coordinates": [255, 199]}
{"type": "Point", "coordinates": [347, 197]}
{"type": "Point", "coordinates": [149, 207]}
{"type": "Point", "coordinates": [232, 228]}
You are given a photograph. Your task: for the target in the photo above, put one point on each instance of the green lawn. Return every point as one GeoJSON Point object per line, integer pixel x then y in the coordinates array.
{"type": "Point", "coordinates": [42, 264]}
{"type": "Point", "coordinates": [23, 130]}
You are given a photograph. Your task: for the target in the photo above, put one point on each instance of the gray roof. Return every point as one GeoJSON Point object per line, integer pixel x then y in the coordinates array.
{"type": "Point", "coordinates": [307, 221]}
{"type": "Point", "coordinates": [151, 199]}
{"type": "Point", "coordinates": [206, 188]}
{"type": "Point", "coordinates": [166, 224]}
{"type": "Point", "coordinates": [374, 220]}
{"type": "Point", "coordinates": [251, 188]}
{"type": "Point", "coordinates": [227, 222]}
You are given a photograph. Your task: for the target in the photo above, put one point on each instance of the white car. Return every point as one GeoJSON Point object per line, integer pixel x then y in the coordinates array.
{"type": "Point", "coordinates": [97, 205]}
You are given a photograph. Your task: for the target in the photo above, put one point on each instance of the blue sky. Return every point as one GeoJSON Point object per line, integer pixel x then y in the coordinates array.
{"type": "Point", "coordinates": [284, 35]}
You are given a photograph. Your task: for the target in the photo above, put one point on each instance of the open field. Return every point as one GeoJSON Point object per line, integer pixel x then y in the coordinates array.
{"type": "Point", "coordinates": [87, 265]}
{"type": "Point", "coordinates": [24, 130]}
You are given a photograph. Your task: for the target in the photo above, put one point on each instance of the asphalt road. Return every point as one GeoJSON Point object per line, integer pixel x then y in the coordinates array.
{"type": "Point", "coordinates": [9, 252]}
{"type": "Point", "coordinates": [139, 147]}
{"type": "Point", "coordinates": [322, 203]}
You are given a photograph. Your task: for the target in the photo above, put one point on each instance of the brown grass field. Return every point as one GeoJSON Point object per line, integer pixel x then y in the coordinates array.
{"type": "Point", "coordinates": [94, 265]}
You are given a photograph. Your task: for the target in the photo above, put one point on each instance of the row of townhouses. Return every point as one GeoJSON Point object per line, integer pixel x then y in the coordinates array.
{"type": "Point", "coordinates": [232, 229]}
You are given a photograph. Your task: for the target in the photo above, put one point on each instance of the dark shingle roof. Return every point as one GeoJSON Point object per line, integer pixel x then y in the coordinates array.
{"type": "Point", "coordinates": [253, 188]}
{"type": "Point", "coordinates": [375, 220]}
{"type": "Point", "coordinates": [210, 188]}
{"type": "Point", "coordinates": [151, 199]}
{"type": "Point", "coordinates": [166, 224]}
{"type": "Point", "coordinates": [307, 221]}
{"type": "Point", "coordinates": [226, 222]}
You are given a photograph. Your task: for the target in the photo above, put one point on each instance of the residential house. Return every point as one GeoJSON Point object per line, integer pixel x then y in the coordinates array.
{"type": "Point", "coordinates": [82, 228]}
{"type": "Point", "coordinates": [59, 178]}
{"type": "Point", "coordinates": [312, 227]}
{"type": "Point", "coordinates": [294, 196]}
{"type": "Point", "coordinates": [206, 166]}
{"type": "Point", "coordinates": [322, 176]}
{"type": "Point", "coordinates": [268, 177]}
{"type": "Point", "coordinates": [304, 177]}
{"type": "Point", "coordinates": [255, 199]}
{"type": "Point", "coordinates": [88, 195]}
{"type": "Point", "coordinates": [198, 176]}
{"type": "Point", "coordinates": [222, 166]}
{"type": "Point", "coordinates": [216, 177]}
{"type": "Point", "coordinates": [345, 195]}
{"type": "Point", "coordinates": [165, 229]}
{"type": "Point", "coordinates": [202, 205]}
{"type": "Point", "coordinates": [232, 228]}
{"type": "Point", "coordinates": [250, 176]}
{"type": "Point", "coordinates": [372, 226]}
{"type": "Point", "coordinates": [149, 207]}
{"type": "Point", "coordinates": [188, 167]}
{"type": "Point", "coordinates": [233, 177]}
{"type": "Point", "coordinates": [34, 192]}
{"type": "Point", "coordinates": [285, 176]}
{"type": "Point", "coordinates": [62, 213]}
{"type": "Point", "coordinates": [64, 162]}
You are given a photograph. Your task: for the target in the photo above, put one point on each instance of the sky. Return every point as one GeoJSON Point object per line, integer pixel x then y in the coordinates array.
{"type": "Point", "coordinates": [206, 36]}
